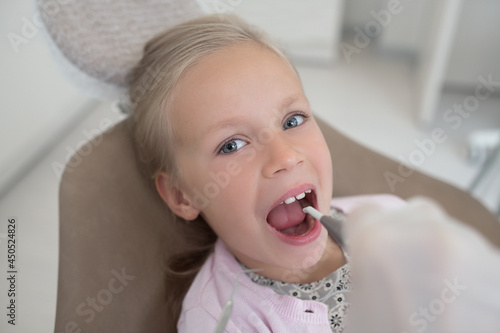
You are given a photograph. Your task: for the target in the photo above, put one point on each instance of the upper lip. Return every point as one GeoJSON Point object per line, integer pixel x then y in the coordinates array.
{"type": "Point", "coordinates": [292, 193]}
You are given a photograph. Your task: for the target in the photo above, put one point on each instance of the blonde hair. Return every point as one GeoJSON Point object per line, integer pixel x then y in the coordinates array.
{"type": "Point", "coordinates": [167, 57]}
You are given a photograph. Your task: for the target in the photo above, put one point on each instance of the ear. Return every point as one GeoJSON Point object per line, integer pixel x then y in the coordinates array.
{"type": "Point", "coordinates": [178, 201]}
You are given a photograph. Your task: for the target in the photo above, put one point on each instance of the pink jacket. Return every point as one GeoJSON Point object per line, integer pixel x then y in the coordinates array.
{"type": "Point", "coordinates": [256, 308]}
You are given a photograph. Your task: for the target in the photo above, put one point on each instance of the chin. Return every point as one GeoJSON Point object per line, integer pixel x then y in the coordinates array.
{"type": "Point", "coordinates": [306, 257]}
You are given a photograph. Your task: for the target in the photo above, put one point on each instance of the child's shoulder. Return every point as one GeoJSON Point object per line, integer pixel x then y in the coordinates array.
{"type": "Point", "coordinates": [219, 265]}
{"type": "Point", "coordinates": [203, 302]}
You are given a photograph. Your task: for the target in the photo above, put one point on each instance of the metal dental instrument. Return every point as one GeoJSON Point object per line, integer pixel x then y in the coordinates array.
{"type": "Point", "coordinates": [228, 308]}
{"type": "Point", "coordinates": [334, 223]}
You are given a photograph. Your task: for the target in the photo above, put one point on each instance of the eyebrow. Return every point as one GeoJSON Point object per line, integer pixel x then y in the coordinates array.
{"type": "Point", "coordinates": [291, 99]}
{"type": "Point", "coordinates": [230, 122]}
{"type": "Point", "coordinates": [237, 121]}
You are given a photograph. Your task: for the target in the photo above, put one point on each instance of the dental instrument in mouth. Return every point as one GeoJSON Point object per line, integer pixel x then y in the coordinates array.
{"type": "Point", "coordinates": [334, 223]}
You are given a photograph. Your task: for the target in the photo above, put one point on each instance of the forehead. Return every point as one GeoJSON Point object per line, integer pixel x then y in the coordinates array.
{"type": "Point", "coordinates": [232, 84]}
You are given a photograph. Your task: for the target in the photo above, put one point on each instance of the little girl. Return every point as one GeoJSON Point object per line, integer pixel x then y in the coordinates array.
{"type": "Point", "coordinates": [221, 119]}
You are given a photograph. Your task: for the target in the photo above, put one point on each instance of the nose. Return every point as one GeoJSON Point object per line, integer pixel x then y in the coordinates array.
{"type": "Point", "coordinates": [281, 155]}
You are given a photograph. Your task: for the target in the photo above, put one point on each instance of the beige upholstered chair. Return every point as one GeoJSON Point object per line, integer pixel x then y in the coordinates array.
{"type": "Point", "coordinates": [115, 231]}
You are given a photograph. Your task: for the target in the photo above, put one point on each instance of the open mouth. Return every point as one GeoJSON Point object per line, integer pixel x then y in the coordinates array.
{"type": "Point", "coordinates": [289, 219]}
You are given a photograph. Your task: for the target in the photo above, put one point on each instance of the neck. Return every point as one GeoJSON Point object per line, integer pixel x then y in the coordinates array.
{"type": "Point", "coordinates": [331, 260]}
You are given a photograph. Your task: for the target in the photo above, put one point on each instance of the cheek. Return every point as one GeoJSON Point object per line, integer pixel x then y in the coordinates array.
{"type": "Point", "coordinates": [326, 180]}
{"type": "Point", "coordinates": [230, 213]}
{"type": "Point", "coordinates": [227, 186]}
{"type": "Point", "coordinates": [320, 155]}
{"type": "Point", "coordinates": [200, 182]}
{"type": "Point", "coordinates": [234, 190]}
{"type": "Point", "coordinates": [319, 150]}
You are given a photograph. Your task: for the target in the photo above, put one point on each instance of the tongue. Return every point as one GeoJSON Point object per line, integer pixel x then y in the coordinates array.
{"type": "Point", "coordinates": [285, 216]}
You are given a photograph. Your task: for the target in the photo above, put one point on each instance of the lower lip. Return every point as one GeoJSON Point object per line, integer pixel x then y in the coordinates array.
{"type": "Point", "coordinates": [310, 237]}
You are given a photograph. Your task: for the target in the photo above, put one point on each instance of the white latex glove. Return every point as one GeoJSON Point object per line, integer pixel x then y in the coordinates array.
{"type": "Point", "coordinates": [417, 270]}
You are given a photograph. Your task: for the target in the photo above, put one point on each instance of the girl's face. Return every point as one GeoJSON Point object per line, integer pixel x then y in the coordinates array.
{"type": "Point", "coordinates": [246, 144]}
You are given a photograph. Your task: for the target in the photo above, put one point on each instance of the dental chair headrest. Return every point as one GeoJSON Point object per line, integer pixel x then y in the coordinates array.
{"type": "Point", "coordinates": [104, 39]}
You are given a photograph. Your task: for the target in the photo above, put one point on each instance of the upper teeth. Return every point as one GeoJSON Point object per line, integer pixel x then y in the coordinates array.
{"type": "Point", "coordinates": [297, 197]}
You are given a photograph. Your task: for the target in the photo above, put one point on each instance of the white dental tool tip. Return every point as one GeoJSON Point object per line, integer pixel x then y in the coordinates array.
{"type": "Point", "coordinates": [313, 212]}
{"type": "Point", "coordinates": [332, 224]}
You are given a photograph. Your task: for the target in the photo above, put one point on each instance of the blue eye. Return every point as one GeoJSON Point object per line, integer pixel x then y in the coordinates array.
{"type": "Point", "coordinates": [293, 121]}
{"type": "Point", "coordinates": [232, 146]}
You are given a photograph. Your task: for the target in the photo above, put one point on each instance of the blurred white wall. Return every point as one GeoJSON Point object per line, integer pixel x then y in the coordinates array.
{"type": "Point", "coordinates": [476, 48]}
{"type": "Point", "coordinates": [37, 105]}
{"type": "Point", "coordinates": [452, 42]}
{"type": "Point", "coordinates": [308, 30]}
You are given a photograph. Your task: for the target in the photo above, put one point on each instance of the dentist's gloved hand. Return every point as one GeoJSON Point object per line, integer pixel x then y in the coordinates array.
{"type": "Point", "coordinates": [415, 269]}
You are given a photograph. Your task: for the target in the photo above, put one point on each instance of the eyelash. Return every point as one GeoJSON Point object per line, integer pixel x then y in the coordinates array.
{"type": "Point", "coordinates": [220, 152]}
{"type": "Point", "coordinates": [298, 113]}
